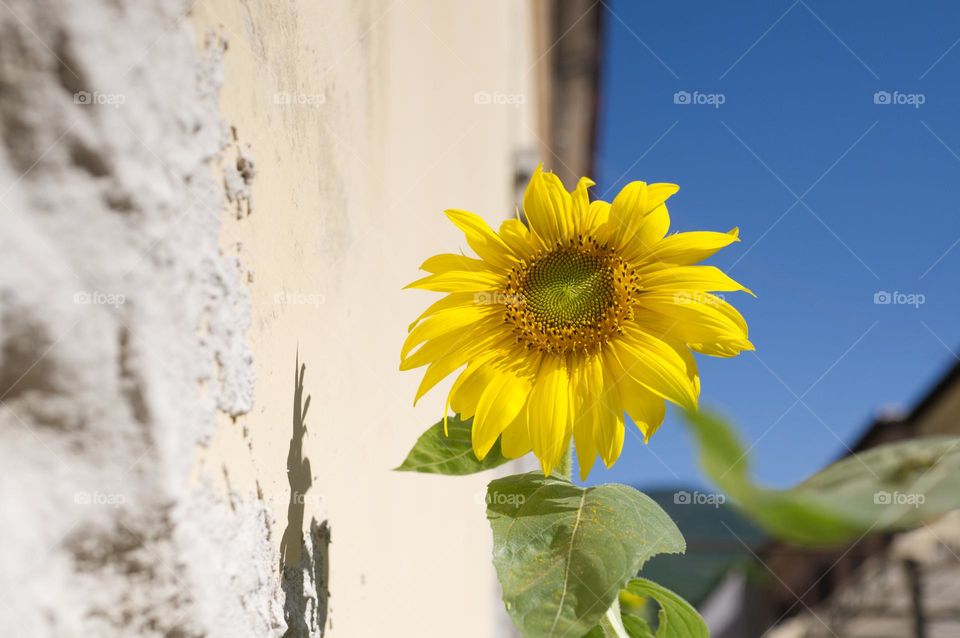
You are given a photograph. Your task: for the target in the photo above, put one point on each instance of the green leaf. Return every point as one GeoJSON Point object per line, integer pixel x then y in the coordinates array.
{"type": "Point", "coordinates": [436, 453]}
{"type": "Point", "coordinates": [611, 625]}
{"type": "Point", "coordinates": [677, 618]}
{"type": "Point", "coordinates": [633, 626]}
{"type": "Point", "coordinates": [563, 552]}
{"type": "Point", "coordinates": [637, 627]}
{"type": "Point", "coordinates": [886, 488]}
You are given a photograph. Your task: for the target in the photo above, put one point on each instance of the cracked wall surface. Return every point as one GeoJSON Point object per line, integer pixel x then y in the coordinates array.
{"type": "Point", "coordinates": [199, 197]}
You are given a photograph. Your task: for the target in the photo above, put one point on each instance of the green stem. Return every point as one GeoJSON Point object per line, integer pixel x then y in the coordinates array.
{"type": "Point", "coordinates": [565, 469]}
{"type": "Point", "coordinates": [611, 623]}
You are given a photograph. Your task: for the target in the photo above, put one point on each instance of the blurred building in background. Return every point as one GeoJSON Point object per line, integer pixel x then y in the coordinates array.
{"type": "Point", "coordinates": [882, 586]}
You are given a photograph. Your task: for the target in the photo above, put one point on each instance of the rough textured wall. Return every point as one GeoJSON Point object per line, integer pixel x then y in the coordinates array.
{"type": "Point", "coordinates": [200, 198]}
{"type": "Point", "coordinates": [121, 332]}
{"type": "Point", "coordinates": [365, 121]}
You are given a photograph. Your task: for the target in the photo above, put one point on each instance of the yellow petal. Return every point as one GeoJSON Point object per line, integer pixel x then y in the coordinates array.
{"type": "Point", "coordinates": [648, 234]}
{"type": "Point", "coordinates": [450, 261]}
{"type": "Point", "coordinates": [547, 205]}
{"type": "Point", "coordinates": [517, 236]}
{"type": "Point", "coordinates": [452, 300]}
{"type": "Point", "coordinates": [580, 199]}
{"type": "Point", "coordinates": [448, 356]}
{"type": "Point", "coordinates": [700, 307]}
{"type": "Point", "coordinates": [696, 337]}
{"type": "Point", "coordinates": [631, 207]}
{"type": "Point", "coordinates": [447, 343]}
{"type": "Point", "coordinates": [501, 402]}
{"type": "Point", "coordinates": [610, 432]}
{"type": "Point", "coordinates": [696, 278]}
{"type": "Point", "coordinates": [644, 407]}
{"type": "Point", "coordinates": [549, 413]}
{"type": "Point", "coordinates": [583, 431]}
{"type": "Point", "coordinates": [486, 243]}
{"type": "Point", "coordinates": [459, 281]}
{"type": "Point", "coordinates": [723, 349]}
{"type": "Point", "coordinates": [455, 388]}
{"type": "Point", "coordinates": [690, 364]}
{"type": "Point", "coordinates": [647, 411]}
{"type": "Point", "coordinates": [656, 366]}
{"type": "Point", "coordinates": [684, 249]}
{"type": "Point", "coordinates": [587, 406]}
{"type": "Point", "coordinates": [598, 214]}
{"type": "Point", "coordinates": [515, 441]}
{"type": "Point", "coordinates": [444, 322]}
{"type": "Point", "coordinates": [695, 318]}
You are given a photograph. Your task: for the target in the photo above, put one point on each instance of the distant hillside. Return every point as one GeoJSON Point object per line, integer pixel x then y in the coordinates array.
{"type": "Point", "coordinates": [716, 537]}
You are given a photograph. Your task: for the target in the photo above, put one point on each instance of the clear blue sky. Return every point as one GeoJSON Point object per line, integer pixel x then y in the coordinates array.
{"type": "Point", "coordinates": [880, 189]}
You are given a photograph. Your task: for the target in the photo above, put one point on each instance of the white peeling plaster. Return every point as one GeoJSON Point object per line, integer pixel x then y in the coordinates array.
{"type": "Point", "coordinates": [121, 333]}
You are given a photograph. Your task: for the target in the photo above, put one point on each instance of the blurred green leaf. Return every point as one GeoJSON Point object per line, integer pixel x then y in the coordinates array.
{"type": "Point", "coordinates": [637, 627]}
{"type": "Point", "coordinates": [611, 624]}
{"type": "Point", "coordinates": [677, 618]}
{"type": "Point", "coordinates": [889, 487]}
{"type": "Point", "coordinates": [437, 453]}
{"type": "Point", "coordinates": [563, 552]}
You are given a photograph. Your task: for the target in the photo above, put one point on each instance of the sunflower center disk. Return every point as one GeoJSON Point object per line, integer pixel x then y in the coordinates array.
{"type": "Point", "coordinates": [566, 288]}
{"type": "Point", "coordinates": [569, 299]}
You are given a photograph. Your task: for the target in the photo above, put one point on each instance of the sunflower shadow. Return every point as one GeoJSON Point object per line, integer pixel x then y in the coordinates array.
{"type": "Point", "coordinates": [304, 560]}
{"type": "Point", "coordinates": [530, 498]}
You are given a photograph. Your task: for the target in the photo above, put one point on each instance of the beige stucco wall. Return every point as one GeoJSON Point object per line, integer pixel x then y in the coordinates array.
{"type": "Point", "coordinates": [363, 123]}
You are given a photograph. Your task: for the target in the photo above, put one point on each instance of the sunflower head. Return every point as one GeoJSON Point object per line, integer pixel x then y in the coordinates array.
{"type": "Point", "coordinates": [568, 321]}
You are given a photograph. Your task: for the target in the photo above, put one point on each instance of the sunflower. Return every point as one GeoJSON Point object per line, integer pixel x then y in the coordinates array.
{"type": "Point", "coordinates": [564, 324]}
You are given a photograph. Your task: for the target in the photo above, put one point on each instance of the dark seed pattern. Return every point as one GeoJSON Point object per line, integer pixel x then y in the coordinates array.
{"type": "Point", "coordinates": [573, 297]}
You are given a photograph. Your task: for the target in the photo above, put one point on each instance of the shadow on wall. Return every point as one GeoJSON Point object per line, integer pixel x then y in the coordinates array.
{"type": "Point", "coordinates": [304, 560]}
